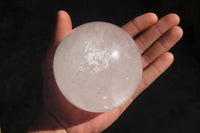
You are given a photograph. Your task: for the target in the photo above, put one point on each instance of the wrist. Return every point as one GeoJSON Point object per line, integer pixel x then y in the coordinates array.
{"type": "Point", "coordinates": [46, 122]}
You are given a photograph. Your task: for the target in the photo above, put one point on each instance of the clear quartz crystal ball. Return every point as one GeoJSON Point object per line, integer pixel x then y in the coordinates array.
{"type": "Point", "coordinates": [97, 67]}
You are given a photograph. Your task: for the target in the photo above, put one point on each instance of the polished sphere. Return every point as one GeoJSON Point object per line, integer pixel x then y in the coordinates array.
{"type": "Point", "coordinates": [97, 67]}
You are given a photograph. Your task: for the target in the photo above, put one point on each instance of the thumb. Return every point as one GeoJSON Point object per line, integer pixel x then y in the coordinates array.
{"type": "Point", "coordinates": [62, 29]}
{"type": "Point", "coordinates": [63, 26]}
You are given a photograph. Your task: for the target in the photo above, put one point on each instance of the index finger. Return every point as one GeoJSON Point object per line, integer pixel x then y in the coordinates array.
{"type": "Point", "coordinates": [140, 23]}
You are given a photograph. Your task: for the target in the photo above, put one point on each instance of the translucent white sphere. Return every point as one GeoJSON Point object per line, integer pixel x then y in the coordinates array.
{"type": "Point", "coordinates": [97, 67]}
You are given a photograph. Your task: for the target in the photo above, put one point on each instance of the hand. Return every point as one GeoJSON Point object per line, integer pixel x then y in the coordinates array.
{"type": "Point", "coordinates": [157, 38]}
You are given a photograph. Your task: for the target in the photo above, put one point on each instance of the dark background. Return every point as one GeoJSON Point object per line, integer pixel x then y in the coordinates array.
{"type": "Point", "coordinates": [170, 105]}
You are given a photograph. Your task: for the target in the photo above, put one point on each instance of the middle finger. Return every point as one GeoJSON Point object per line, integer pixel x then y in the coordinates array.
{"type": "Point", "coordinates": [146, 39]}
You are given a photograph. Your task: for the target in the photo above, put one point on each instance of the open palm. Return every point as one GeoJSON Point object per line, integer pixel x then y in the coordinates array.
{"type": "Point", "coordinates": [157, 38]}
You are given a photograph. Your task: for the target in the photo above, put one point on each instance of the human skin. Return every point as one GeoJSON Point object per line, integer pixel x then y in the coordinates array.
{"type": "Point", "coordinates": [59, 116]}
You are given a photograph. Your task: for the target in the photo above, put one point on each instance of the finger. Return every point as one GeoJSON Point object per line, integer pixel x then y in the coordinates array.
{"type": "Point", "coordinates": [145, 40]}
{"type": "Point", "coordinates": [140, 23]}
{"type": "Point", "coordinates": [63, 26]}
{"type": "Point", "coordinates": [149, 75]}
{"type": "Point", "coordinates": [153, 71]}
{"type": "Point", "coordinates": [167, 41]}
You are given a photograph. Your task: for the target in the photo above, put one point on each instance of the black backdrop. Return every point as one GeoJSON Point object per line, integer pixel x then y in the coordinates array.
{"type": "Point", "coordinates": [170, 105]}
